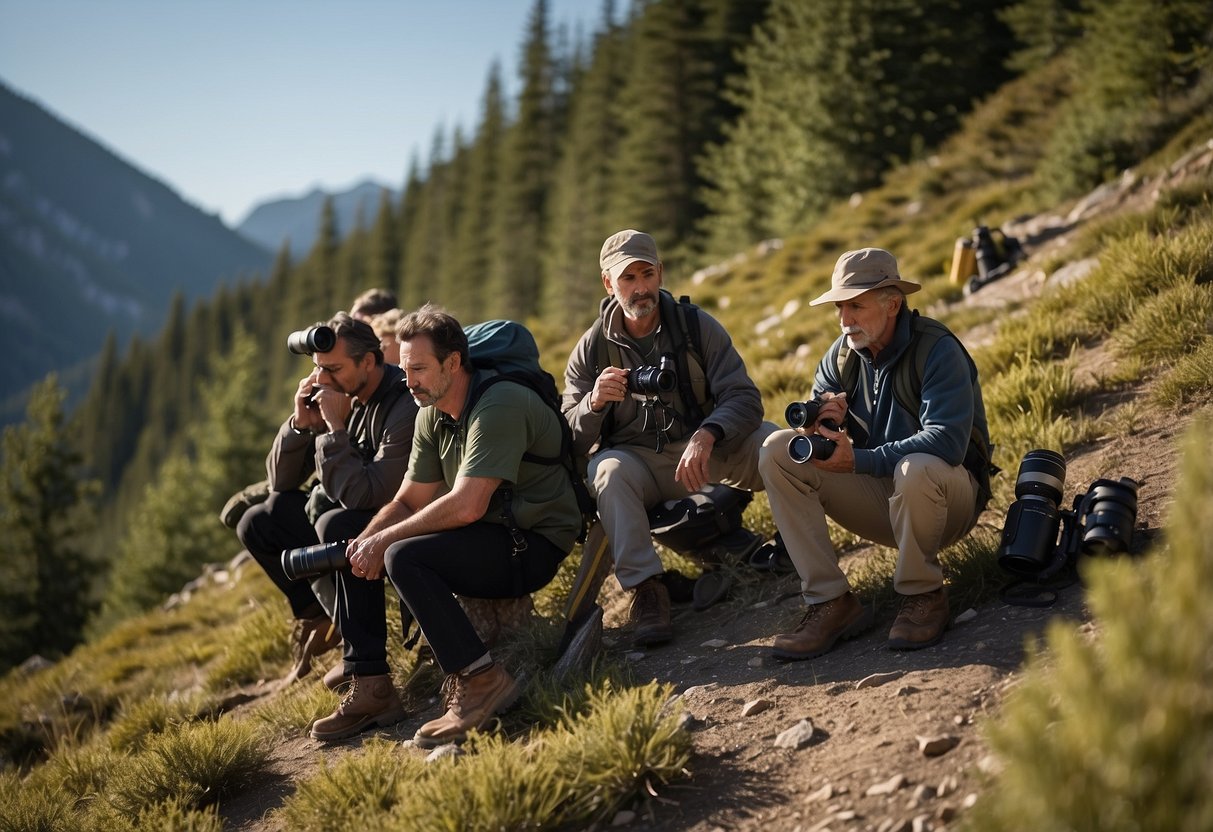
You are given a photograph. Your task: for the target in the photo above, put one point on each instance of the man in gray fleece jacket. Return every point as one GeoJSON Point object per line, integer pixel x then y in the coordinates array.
{"type": "Point", "coordinates": [644, 448]}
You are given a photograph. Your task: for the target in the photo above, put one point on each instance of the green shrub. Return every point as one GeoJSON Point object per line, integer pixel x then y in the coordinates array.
{"type": "Point", "coordinates": [1168, 325]}
{"type": "Point", "coordinates": [355, 791]}
{"type": "Point", "coordinates": [1189, 378]}
{"type": "Point", "coordinates": [1116, 733]}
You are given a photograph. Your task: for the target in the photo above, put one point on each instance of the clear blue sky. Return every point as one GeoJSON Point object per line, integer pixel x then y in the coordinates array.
{"type": "Point", "coordinates": [233, 102]}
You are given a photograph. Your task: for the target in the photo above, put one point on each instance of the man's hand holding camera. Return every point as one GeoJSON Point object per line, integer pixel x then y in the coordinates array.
{"type": "Point", "coordinates": [365, 555]}
{"type": "Point", "coordinates": [610, 386]}
{"type": "Point", "coordinates": [320, 409]}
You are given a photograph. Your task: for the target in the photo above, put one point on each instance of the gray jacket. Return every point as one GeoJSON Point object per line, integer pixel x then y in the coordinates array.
{"type": "Point", "coordinates": [735, 408]}
{"type": "Point", "coordinates": [362, 467]}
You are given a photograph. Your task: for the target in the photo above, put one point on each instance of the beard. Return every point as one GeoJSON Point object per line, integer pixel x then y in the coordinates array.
{"type": "Point", "coordinates": [857, 337]}
{"type": "Point", "coordinates": [639, 306]}
{"type": "Point", "coordinates": [429, 396]}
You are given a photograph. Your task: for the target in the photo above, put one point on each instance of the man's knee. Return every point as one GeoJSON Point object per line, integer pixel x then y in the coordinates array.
{"type": "Point", "coordinates": [615, 469]}
{"type": "Point", "coordinates": [917, 472]}
{"type": "Point", "coordinates": [774, 449]}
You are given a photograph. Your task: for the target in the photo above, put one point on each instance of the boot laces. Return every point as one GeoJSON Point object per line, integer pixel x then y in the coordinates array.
{"type": "Point", "coordinates": [452, 691]}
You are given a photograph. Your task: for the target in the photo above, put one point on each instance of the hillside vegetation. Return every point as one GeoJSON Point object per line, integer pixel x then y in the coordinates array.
{"type": "Point", "coordinates": [162, 718]}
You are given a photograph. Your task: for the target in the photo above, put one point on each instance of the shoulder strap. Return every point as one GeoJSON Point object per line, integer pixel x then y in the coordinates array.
{"type": "Point", "coordinates": [383, 407]}
{"type": "Point", "coordinates": [678, 315]}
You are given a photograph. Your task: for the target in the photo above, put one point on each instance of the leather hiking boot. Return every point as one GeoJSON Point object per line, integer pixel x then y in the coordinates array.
{"type": "Point", "coordinates": [370, 702]}
{"type": "Point", "coordinates": [471, 701]}
{"type": "Point", "coordinates": [310, 637]}
{"type": "Point", "coordinates": [823, 626]}
{"type": "Point", "coordinates": [921, 620]}
{"type": "Point", "coordinates": [649, 614]}
{"type": "Point", "coordinates": [335, 677]}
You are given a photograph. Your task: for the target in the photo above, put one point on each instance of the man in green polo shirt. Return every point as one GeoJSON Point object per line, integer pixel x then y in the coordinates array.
{"type": "Point", "coordinates": [472, 518]}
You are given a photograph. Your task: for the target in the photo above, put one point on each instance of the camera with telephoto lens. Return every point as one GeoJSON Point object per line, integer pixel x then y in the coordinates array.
{"type": "Point", "coordinates": [801, 447]}
{"type": "Point", "coordinates": [319, 338]}
{"type": "Point", "coordinates": [314, 561]}
{"type": "Point", "coordinates": [653, 381]}
{"type": "Point", "coordinates": [1100, 522]}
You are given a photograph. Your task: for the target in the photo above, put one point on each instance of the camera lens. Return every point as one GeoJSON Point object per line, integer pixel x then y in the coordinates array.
{"type": "Point", "coordinates": [802, 448]}
{"type": "Point", "coordinates": [311, 340]}
{"type": "Point", "coordinates": [652, 381]}
{"type": "Point", "coordinates": [312, 561]}
{"type": "Point", "coordinates": [1042, 474]}
{"type": "Point", "coordinates": [1110, 511]}
{"type": "Point", "coordinates": [799, 414]}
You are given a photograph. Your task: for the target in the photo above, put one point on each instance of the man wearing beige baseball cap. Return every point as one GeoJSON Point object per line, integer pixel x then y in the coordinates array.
{"type": "Point", "coordinates": [662, 413]}
{"type": "Point", "coordinates": [897, 452]}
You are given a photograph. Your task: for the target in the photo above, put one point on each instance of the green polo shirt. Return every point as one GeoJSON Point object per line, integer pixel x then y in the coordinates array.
{"type": "Point", "coordinates": [489, 441]}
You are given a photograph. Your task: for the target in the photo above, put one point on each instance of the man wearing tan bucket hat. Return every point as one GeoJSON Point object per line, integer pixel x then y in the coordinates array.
{"type": "Point", "coordinates": [909, 467]}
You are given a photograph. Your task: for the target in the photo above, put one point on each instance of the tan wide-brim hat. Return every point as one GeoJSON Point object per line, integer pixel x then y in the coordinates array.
{"type": "Point", "coordinates": [862, 271]}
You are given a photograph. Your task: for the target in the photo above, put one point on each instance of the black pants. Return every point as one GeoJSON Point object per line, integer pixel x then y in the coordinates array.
{"type": "Point", "coordinates": [281, 523]}
{"type": "Point", "coordinates": [475, 561]}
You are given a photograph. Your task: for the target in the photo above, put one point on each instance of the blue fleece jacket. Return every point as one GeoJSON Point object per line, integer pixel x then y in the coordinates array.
{"type": "Point", "coordinates": [951, 403]}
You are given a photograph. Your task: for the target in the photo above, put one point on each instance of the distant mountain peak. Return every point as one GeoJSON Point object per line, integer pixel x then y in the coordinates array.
{"type": "Point", "coordinates": [297, 219]}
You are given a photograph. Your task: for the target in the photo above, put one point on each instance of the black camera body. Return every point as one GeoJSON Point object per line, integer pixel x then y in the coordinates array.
{"type": "Point", "coordinates": [313, 561]}
{"type": "Point", "coordinates": [1039, 538]}
{"type": "Point", "coordinates": [653, 381]}
{"type": "Point", "coordinates": [319, 338]}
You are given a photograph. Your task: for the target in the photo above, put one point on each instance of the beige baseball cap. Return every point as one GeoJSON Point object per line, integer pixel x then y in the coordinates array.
{"type": "Point", "coordinates": [862, 271]}
{"type": "Point", "coordinates": [626, 247]}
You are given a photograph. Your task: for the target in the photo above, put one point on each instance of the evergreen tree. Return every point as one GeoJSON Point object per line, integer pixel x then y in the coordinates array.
{"type": "Point", "coordinates": [424, 246]}
{"type": "Point", "coordinates": [1043, 29]}
{"type": "Point", "coordinates": [450, 216]}
{"type": "Point", "coordinates": [679, 56]}
{"type": "Point", "coordinates": [175, 528]}
{"type": "Point", "coordinates": [836, 92]}
{"type": "Point", "coordinates": [524, 175]}
{"type": "Point", "coordinates": [45, 507]}
{"type": "Point", "coordinates": [322, 289]}
{"type": "Point", "coordinates": [384, 267]}
{"type": "Point", "coordinates": [577, 224]}
{"type": "Point", "coordinates": [1136, 69]}
{"type": "Point", "coordinates": [410, 200]}
{"type": "Point", "coordinates": [466, 294]}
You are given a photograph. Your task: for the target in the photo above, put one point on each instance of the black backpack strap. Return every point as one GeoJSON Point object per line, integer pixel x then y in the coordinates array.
{"type": "Point", "coordinates": [677, 314]}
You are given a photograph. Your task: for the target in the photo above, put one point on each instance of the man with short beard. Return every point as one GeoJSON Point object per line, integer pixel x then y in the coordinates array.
{"type": "Point", "coordinates": [352, 425]}
{"type": "Point", "coordinates": [648, 448]}
{"type": "Point", "coordinates": [904, 479]}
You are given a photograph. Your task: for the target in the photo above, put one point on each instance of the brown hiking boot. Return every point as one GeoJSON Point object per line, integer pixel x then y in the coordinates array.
{"type": "Point", "coordinates": [823, 626]}
{"type": "Point", "coordinates": [370, 702]}
{"type": "Point", "coordinates": [921, 621]}
{"type": "Point", "coordinates": [335, 677]}
{"type": "Point", "coordinates": [649, 614]}
{"type": "Point", "coordinates": [471, 701]}
{"type": "Point", "coordinates": [310, 637]}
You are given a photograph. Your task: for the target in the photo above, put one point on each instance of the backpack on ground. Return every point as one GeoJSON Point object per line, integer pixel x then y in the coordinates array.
{"type": "Point", "coordinates": [907, 390]}
{"type": "Point", "coordinates": [509, 348]}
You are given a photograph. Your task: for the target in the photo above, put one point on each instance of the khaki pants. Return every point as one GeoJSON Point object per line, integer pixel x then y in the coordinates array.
{"type": "Point", "coordinates": [925, 506]}
{"type": "Point", "coordinates": [629, 480]}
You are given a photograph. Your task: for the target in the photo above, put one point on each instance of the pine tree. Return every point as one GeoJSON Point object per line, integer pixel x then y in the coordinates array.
{"type": "Point", "coordinates": [45, 504]}
{"type": "Point", "coordinates": [577, 223]}
{"type": "Point", "coordinates": [384, 267]}
{"type": "Point", "coordinates": [424, 246]}
{"type": "Point", "coordinates": [524, 176]}
{"type": "Point", "coordinates": [834, 93]}
{"type": "Point", "coordinates": [679, 56]}
{"type": "Point", "coordinates": [175, 529]}
{"type": "Point", "coordinates": [471, 248]}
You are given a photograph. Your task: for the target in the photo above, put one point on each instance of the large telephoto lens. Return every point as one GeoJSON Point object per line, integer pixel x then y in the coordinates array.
{"type": "Point", "coordinates": [799, 414]}
{"type": "Point", "coordinates": [1029, 534]}
{"type": "Point", "coordinates": [311, 340]}
{"type": "Point", "coordinates": [1109, 512]}
{"type": "Point", "coordinates": [313, 561]}
{"type": "Point", "coordinates": [1042, 474]}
